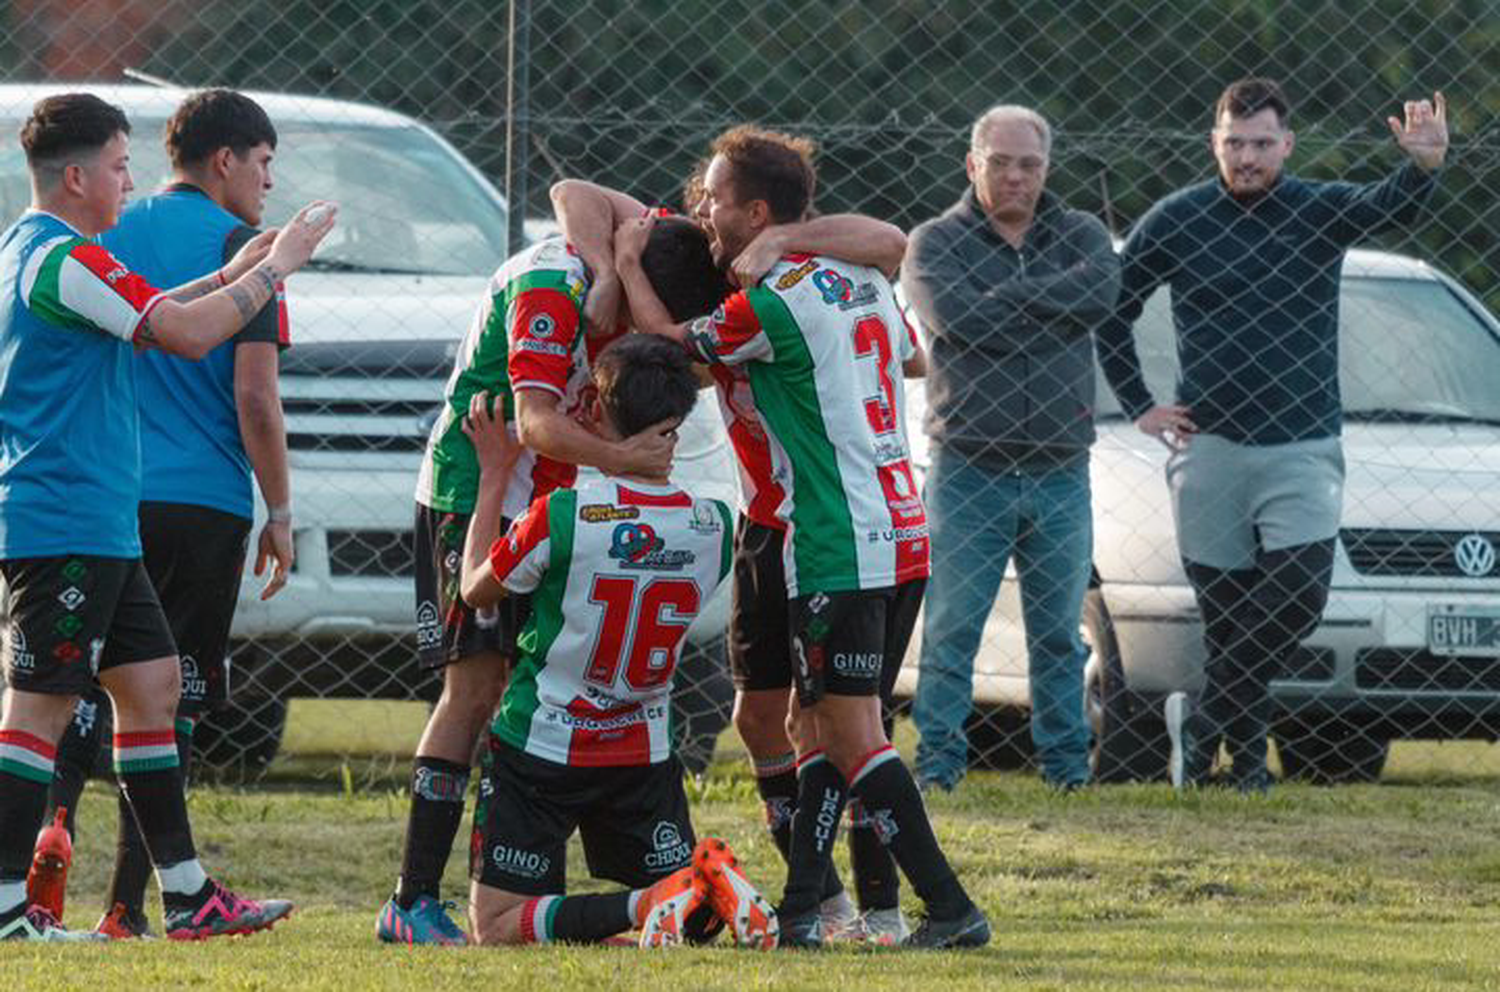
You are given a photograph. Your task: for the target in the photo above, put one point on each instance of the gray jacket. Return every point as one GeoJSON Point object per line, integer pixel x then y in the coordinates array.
{"type": "Point", "coordinates": [1010, 382]}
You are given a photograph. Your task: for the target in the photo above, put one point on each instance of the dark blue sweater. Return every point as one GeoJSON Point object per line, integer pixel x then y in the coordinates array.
{"type": "Point", "coordinates": [1255, 300]}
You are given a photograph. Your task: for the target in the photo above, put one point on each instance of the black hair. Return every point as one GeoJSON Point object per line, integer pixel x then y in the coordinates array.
{"type": "Point", "coordinates": [213, 119]}
{"type": "Point", "coordinates": [67, 125]}
{"type": "Point", "coordinates": [680, 265]}
{"type": "Point", "coordinates": [1248, 97]}
{"type": "Point", "coordinates": [642, 380]}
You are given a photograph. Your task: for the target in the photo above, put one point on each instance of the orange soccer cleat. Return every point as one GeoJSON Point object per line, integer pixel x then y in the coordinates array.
{"type": "Point", "coordinates": [743, 909]}
{"type": "Point", "coordinates": [47, 881]}
{"type": "Point", "coordinates": [665, 907]}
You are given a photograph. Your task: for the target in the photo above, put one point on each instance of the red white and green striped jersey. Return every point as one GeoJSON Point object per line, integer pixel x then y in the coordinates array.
{"type": "Point", "coordinates": [617, 570]}
{"type": "Point", "coordinates": [761, 491]}
{"type": "Point", "coordinates": [823, 342]}
{"type": "Point", "coordinates": [527, 334]}
{"type": "Point", "coordinates": [70, 454]}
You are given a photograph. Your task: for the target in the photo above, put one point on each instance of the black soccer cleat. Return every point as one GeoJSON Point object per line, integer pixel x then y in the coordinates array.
{"type": "Point", "coordinates": [970, 929]}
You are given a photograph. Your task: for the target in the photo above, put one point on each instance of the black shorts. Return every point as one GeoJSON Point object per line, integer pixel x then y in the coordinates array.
{"type": "Point", "coordinates": [760, 654]}
{"type": "Point", "coordinates": [852, 643]}
{"type": "Point", "coordinates": [633, 820]}
{"type": "Point", "coordinates": [196, 557]}
{"type": "Point", "coordinates": [73, 616]}
{"type": "Point", "coordinates": [447, 629]}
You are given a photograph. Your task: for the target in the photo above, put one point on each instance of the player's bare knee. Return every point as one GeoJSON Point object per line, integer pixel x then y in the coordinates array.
{"type": "Point", "coordinates": [39, 714]}
{"type": "Point", "coordinates": [760, 717]}
{"type": "Point", "coordinates": [494, 915]}
{"type": "Point", "coordinates": [145, 694]}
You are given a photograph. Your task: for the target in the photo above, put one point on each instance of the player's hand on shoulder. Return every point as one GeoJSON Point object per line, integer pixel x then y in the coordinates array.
{"type": "Point", "coordinates": [757, 258]}
{"type": "Point", "coordinates": [494, 445]}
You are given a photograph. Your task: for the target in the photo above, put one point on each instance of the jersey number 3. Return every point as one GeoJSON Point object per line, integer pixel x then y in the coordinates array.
{"type": "Point", "coordinates": [641, 627]}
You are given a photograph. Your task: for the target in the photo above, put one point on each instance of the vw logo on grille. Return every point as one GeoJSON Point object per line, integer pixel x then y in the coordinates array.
{"type": "Point", "coordinates": [1474, 555]}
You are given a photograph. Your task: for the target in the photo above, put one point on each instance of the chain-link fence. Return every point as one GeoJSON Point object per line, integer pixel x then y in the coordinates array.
{"type": "Point", "coordinates": [631, 95]}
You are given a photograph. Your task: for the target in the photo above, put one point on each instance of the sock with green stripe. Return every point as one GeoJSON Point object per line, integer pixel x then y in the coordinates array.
{"type": "Point", "coordinates": [26, 767]}
{"type": "Point", "coordinates": [132, 859]}
{"type": "Point", "coordinates": [576, 919]}
{"type": "Point", "coordinates": [150, 779]}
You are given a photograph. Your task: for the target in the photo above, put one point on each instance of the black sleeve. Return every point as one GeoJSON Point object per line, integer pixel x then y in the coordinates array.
{"type": "Point", "coordinates": [269, 325]}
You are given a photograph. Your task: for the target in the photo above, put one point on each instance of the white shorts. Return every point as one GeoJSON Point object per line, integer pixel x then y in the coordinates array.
{"type": "Point", "coordinates": [1232, 500]}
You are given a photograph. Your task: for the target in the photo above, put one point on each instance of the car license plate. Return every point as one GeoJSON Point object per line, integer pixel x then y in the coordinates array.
{"type": "Point", "coordinates": [1463, 630]}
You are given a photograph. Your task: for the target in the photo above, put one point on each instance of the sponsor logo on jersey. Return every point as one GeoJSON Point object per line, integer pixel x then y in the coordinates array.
{"type": "Point", "coordinates": [706, 519]}
{"type": "Point", "coordinates": [542, 347]}
{"type": "Point", "coordinates": [522, 864]}
{"type": "Point", "coordinates": [115, 275]}
{"type": "Point", "coordinates": [889, 450]}
{"type": "Point", "coordinates": [429, 626]}
{"type": "Point", "coordinates": [863, 295]}
{"type": "Point", "coordinates": [18, 658]}
{"type": "Point", "coordinates": [670, 850]}
{"type": "Point", "coordinates": [703, 335]}
{"type": "Point", "coordinates": [916, 532]}
{"type": "Point", "coordinates": [638, 546]}
{"type": "Point", "coordinates": [857, 664]}
{"type": "Point", "coordinates": [603, 513]}
{"type": "Point", "coordinates": [194, 685]}
{"type": "Point", "coordinates": [792, 278]}
{"type": "Point", "coordinates": [834, 287]}
{"type": "Point", "coordinates": [541, 326]}
{"type": "Point", "coordinates": [72, 598]}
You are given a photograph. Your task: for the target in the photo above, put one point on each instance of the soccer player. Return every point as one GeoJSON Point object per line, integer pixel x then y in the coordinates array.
{"type": "Point", "coordinates": [204, 426]}
{"type": "Point", "coordinates": [759, 645]}
{"type": "Point", "coordinates": [526, 345]}
{"type": "Point", "coordinates": [80, 603]}
{"type": "Point", "coordinates": [825, 346]}
{"type": "Point", "coordinates": [617, 570]}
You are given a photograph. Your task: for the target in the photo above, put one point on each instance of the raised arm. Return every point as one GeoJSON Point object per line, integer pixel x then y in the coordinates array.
{"type": "Point", "coordinates": [849, 237]}
{"type": "Point", "coordinates": [190, 322]}
{"type": "Point", "coordinates": [544, 428]}
{"type": "Point", "coordinates": [588, 214]}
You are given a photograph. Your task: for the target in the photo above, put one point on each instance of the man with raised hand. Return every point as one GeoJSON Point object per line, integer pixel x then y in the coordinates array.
{"type": "Point", "coordinates": [825, 347]}
{"type": "Point", "coordinates": [80, 603]}
{"type": "Point", "coordinates": [205, 426]}
{"type": "Point", "coordinates": [1256, 471]}
{"type": "Point", "coordinates": [759, 645]}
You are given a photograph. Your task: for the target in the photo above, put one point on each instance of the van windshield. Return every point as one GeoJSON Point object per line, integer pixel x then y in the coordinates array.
{"type": "Point", "coordinates": [406, 203]}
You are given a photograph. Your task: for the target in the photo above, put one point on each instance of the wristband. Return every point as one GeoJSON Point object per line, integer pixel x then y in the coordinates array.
{"type": "Point", "coordinates": [279, 514]}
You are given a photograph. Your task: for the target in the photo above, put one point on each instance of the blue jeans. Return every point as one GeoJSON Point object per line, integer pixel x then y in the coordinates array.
{"type": "Point", "coordinates": [978, 519]}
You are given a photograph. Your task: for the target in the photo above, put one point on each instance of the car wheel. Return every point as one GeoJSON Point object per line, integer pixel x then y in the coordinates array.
{"type": "Point", "coordinates": [1130, 736]}
{"type": "Point", "coordinates": [1329, 751]}
{"type": "Point", "coordinates": [702, 702]}
{"type": "Point", "coordinates": [239, 739]}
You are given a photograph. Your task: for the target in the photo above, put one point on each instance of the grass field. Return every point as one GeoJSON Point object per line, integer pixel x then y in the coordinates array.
{"type": "Point", "coordinates": [1372, 887]}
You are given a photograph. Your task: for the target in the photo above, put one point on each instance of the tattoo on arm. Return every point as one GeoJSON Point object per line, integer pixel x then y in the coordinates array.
{"type": "Point", "coordinates": [262, 288]}
{"type": "Point", "coordinates": [188, 292]}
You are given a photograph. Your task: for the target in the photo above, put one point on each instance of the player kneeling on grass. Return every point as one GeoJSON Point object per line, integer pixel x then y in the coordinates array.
{"type": "Point", "coordinates": [617, 569]}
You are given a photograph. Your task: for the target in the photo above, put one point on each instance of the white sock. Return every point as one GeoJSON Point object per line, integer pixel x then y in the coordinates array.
{"type": "Point", "coordinates": [186, 878]}
{"type": "Point", "coordinates": [12, 894]}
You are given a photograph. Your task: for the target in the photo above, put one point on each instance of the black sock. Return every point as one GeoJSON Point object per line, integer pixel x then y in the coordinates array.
{"type": "Point", "coordinates": [26, 767]}
{"type": "Point", "coordinates": [886, 790]}
{"type": "Point", "coordinates": [776, 781]}
{"type": "Point", "coordinates": [438, 788]}
{"type": "Point", "coordinates": [876, 882]}
{"type": "Point", "coordinates": [132, 859]}
{"type": "Point", "coordinates": [146, 766]}
{"type": "Point", "coordinates": [587, 919]}
{"type": "Point", "coordinates": [77, 753]}
{"type": "Point", "coordinates": [820, 804]}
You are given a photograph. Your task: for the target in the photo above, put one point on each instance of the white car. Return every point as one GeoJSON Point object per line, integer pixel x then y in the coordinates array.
{"type": "Point", "coordinates": [1409, 646]}
{"type": "Point", "coordinates": [375, 319]}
